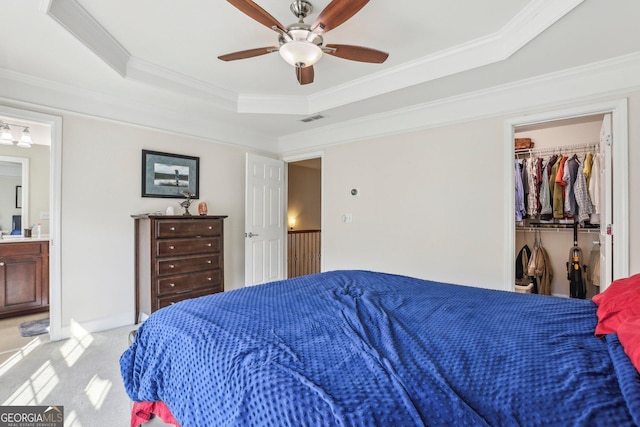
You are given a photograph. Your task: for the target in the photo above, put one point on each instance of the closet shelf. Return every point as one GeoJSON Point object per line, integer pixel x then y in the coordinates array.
{"type": "Point", "coordinates": [587, 228]}
{"type": "Point", "coordinates": [564, 149]}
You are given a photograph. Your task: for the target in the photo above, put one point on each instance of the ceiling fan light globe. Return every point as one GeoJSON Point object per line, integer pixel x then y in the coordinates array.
{"type": "Point", "coordinates": [300, 53]}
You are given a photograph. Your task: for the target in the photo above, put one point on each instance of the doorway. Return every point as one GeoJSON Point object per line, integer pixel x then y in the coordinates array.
{"type": "Point", "coordinates": [573, 225]}
{"type": "Point", "coordinates": [53, 128]}
{"type": "Point", "coordinates": [614, 215]}
{"type": "Point", "coordinates": [304, 214]}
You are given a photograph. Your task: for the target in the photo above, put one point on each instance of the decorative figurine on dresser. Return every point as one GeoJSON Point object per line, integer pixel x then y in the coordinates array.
{"type": "Point", "coordinates": [186, 203]}
{"type": "Point", "coordinates": [177, 257]}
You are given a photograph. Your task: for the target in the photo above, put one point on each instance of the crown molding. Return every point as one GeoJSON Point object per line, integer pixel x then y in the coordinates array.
{"type": "Point", "coordinates": [617, 76]}
{"type": "Point", "coordinates": [606, 78]}
{"type": "Point", "coordinates": [535, 18]}
{"type": "Point", "coordinates": [34, 92]}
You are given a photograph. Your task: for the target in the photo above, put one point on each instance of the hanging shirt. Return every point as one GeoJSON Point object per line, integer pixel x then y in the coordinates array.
{"type": "Point", "coordinates": [571, 168]}
{"type": "Point", "coordinates": [566, 183]}
{"type": "Point", "coordinates": [538, 172]}
{"type": "Point", "coordinates": [520, 210]}
{"type": "Point", "coordinates": [594, 185]}
{"type": "Point", "coordinates": [532, 197]}
{"type": "Point", "coordinates": [525, 183]}
{"type": "Point", "coordinates": [581, 193]}
{"type": "Point", "coordinates": [586, 170]}
{"type": "Point", "coordinates": [557, 202]}
{"type": "Point", "coordinates": [545, 194]}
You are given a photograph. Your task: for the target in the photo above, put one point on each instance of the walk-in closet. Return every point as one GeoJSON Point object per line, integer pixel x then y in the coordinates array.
{"type": "Point", "coordinates": [560, 198]}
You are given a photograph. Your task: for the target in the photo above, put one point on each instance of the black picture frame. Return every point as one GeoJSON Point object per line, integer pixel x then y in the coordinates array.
{"type": "Point", "coordinates": [18, 196]}
{"type": "Point", "coordinates": [167, 175]}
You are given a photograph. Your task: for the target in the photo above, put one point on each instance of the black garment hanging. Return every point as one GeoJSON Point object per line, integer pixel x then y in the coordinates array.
{"type": "Point", "coordinates": [522, 261]}
{"type": "Point", "coordinates": [522, 266]}
{"type": "Point", "coordinates": [577, 287]}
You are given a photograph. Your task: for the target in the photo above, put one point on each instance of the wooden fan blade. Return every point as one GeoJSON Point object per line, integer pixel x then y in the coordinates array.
{"type": "Point", "coordinates": [357, 53]}
{"type": "Point", "coordinates": [254, 11]}
{"type": "Point", "coordinates": [305, 74]}
{"type": "Point", "coordinates": [337, 12]}
{"type": "Point", "coordinates": [248, 53]}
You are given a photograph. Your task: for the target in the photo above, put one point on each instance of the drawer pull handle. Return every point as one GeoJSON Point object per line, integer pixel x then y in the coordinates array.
{"type": "Point", "coordinates": [210, 228]}
{"type": "Point", "coordinates": [172, 302]}
{"type": "Point", "coordinates": [208, 261]}
{"type": "Point", "coordinates": [173, 285]}
{"type": "Point", "coordinates": [172, 229]}
{"type": "Point", "coordinates": [172, 266]}
{"type": "Point", "coordinates": [172, 247]}
{"type": "Point", "coordinates": [209, 244]}
{"type": "Point", "coordinates": [1, 263]}
{"type": "Point", "coordinates": [209, 279]}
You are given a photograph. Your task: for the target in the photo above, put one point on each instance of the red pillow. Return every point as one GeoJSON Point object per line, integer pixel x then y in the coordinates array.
{"type": "Point", "coordinates": [620, 301]}
{"type": "Point", "coordinates": [629, 335]}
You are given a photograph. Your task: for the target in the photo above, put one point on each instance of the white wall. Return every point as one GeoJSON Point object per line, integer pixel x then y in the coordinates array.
{"type": "Point", "coordinates": [39, 185]}
{"type": "Point", "coordinates": [101, 172]}
{"type": "Point", "coordinates": [431, 202]}
{"type": "Point", "coordinates": [634, 182]}
{"type": "Point", "coordinates": [38, 156]}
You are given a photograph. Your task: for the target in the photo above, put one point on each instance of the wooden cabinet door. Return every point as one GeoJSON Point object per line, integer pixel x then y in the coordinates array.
{"type": "Point", "coordinates": [20, 283]}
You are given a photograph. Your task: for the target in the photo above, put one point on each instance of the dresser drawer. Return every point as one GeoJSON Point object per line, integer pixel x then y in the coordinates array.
{"type": "Point", "coordinates": [172, 299]}
{"type": "Point", "coordinates": [189, 282]}
{"type": "Point", "coordinates": [177, 257]}
{"type": "Point", "coordinates": [188, 228]}
{"type": "Point", "coordinates": [187, 265]}
{"type": "Point", "coordinates": [201, 245]}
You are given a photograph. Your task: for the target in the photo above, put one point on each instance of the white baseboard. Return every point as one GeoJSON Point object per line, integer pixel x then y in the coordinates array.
{"type": "Point", "coordinates": [79, 328]}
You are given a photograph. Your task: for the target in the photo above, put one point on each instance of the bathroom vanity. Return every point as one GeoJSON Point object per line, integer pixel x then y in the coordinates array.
{"type": "Point", "coordinates": [24, 276]}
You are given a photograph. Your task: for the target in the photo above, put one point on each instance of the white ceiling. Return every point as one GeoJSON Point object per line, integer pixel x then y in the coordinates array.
{"type": "Point", "coordinates": [160, 57]}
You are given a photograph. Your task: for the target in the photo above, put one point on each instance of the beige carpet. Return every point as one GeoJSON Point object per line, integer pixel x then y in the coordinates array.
{"type": "Point", "coordinates": [10, 340]}
{"type": "Point", "coordinates": [81, 373]}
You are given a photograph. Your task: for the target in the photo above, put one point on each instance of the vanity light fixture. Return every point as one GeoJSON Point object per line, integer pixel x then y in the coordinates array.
{"type": "Point", "coordinates": [6, 135]}
{"type": "Point", "coordinates": [25, 139]}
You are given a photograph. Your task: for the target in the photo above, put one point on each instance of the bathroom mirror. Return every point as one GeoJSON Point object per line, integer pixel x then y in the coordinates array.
{"type": "Point", "coordinates": [14, 195]}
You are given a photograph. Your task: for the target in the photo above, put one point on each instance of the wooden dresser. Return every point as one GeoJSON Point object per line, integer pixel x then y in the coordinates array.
{"type": "Point", "coordinates": [177, 257]}
{"type": "Point", "coordinates": [24, 277]}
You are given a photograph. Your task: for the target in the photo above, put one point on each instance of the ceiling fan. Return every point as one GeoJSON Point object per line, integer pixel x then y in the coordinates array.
{"type": "Point", "coordinates": [301, 44]}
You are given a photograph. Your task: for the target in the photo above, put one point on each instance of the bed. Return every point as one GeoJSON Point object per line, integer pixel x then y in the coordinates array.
{"type": "Point", "coordinates": [361, 348]}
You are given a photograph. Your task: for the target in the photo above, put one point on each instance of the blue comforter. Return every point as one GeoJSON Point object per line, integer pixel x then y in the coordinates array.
{"type": "Point", "coordinates": [356, 348]}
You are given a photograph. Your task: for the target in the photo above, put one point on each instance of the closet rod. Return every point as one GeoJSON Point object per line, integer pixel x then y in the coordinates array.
{"type": "Point", "coordinates": [527, 229]}
{"type": "Point", "coordinates": [559, 149]}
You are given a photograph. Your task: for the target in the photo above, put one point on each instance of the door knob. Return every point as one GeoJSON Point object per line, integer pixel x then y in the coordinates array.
{"type": "Point", "coordinates": [252, 234]}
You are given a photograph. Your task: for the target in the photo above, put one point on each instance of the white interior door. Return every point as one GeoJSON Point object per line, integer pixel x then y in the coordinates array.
{"type": "Point", "coordinates": [606, 203]}
{"type": "Point", "coordinates": [264, 220]}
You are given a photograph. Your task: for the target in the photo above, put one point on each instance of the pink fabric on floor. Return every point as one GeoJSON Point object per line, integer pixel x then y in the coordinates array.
{"type": "Point", "coordinates": [141, 413]}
